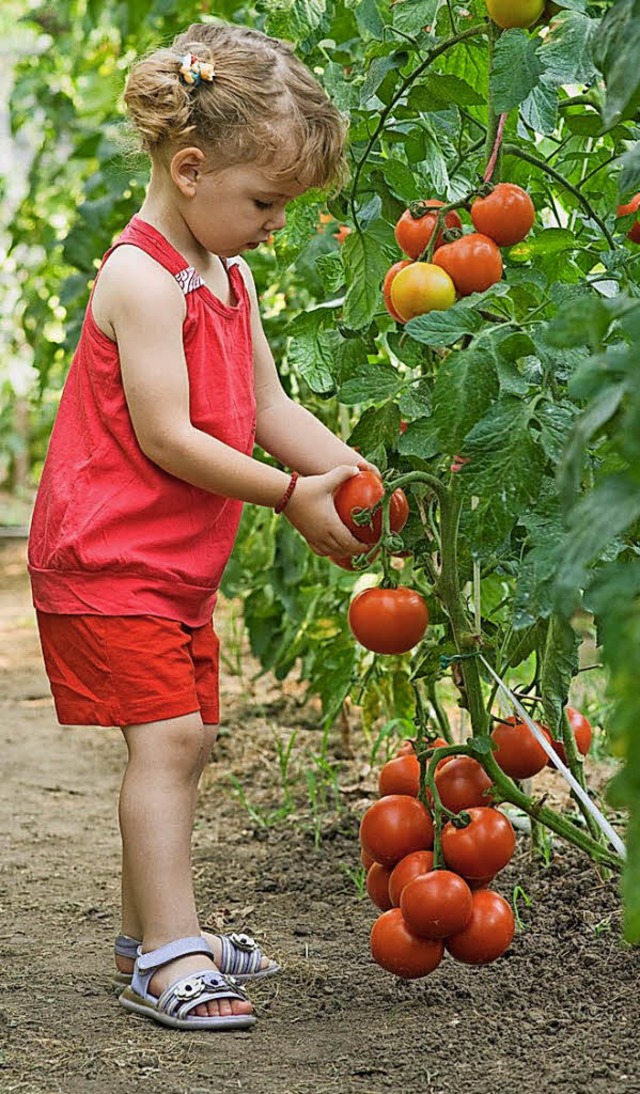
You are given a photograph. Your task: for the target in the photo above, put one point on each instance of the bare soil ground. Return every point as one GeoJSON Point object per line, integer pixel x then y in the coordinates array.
{"type": "Point", "coordinates": [559, 1013]}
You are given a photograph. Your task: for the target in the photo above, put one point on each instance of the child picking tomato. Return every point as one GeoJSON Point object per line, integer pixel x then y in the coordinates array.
{"type": "Point", "coordinates": [150, 462]}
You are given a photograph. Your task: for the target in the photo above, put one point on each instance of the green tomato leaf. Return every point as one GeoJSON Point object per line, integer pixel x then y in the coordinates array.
{"type": "Point", "coordinates": [616, 48]}
{"type": "Point", "coordinates": [515, 70]}
{"type": "Point", "coordinates": [442, 328]}
{"type": "Point", "coordinates": [366, 264]}
{"type": "Point", "coordinates": [465, 385]}
{"type": "Point", "coordinates": [566, 51]}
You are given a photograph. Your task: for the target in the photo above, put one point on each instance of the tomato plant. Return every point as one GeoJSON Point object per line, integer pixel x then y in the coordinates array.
{"type": "Point", "coordinates": [518, 753]}
{"type": "Point", "coordinates": [436, 904]}
{"type": "Point", "coordinates": [421, 287]}
{"type": "Point", "coordinates": [398, 950]}
{"type": "Point", "coordinates": [388, 620]}
{"type": "Point", "coordinates": [487, 933]}
{"type": "Point", "coordinates": [473, 262]}
{"type": "Point", "coordinates": [483, 847]}
{"type": "Point", "coordinates": [364, 491]}
{"type": "Point", "coordinates": [393, 827]}
{"type": "Point", "coordinates": [506, 215]}
{"type": "Point", "coordinates": [413, 234]}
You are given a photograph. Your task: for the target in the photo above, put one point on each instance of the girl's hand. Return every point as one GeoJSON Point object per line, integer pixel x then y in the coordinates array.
{"type": "Point", "coordinates": [312, 511]}
{"type": "Point", "coordinates": [364, 465]}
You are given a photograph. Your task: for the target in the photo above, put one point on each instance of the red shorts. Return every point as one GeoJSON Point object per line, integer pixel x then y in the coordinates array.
{"type": "Point", "coordinates": [107, 670]}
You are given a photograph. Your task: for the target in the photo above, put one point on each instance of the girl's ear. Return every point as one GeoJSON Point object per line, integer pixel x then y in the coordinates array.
{"type": "Point", "coordinates": [185, 169]}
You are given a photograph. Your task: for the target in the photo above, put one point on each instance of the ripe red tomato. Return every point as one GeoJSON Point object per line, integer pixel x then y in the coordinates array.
{"type": "Point", "coordinates": [400, 776]}
{"type": "Point", "coordinates": [518, 754]}
{"type": "Point", "coordinates": [409, 867]}
{"type": "Point", "coordinates": [420, 288]}
{"type": "Point", "coordinates": [632, 207]}
{"type": "Point", "coordinates": [506, 215]}
{"type": "Point", "coordinates": [406, 749]}
{"type": "Point", "coordinates": [413, 235]}
{"type": "Point", "coordinates": [479, 882]}
{"type": "Point", "coordinates": [362, 491]}
{"type": "Point", "coordinates": [481, 849]}
{"type": "Point", "coordinates": [366, 860]}
{"type": "Point", "coordinates": [436, 904]}
{"type": "Point", "coordinates": [378, 885]}
{"type": "Point", "coordinates": [488, 931]}
{"type": "Point", "coordinates": [515, 13]}
{"type": "Point", "coordinates": [388, 620]}
{"type": "Point", "coordinates": [395, 826]}
{"type": "Point", "coordinates": [462, 783]}
{"type": "Point", "coordinates": [473, 262]}
{"type": "Point", "coordinates": [386, 288]}
{"type": "Point", "coordinates": [397, 950]}
{"type": "Point", "coordinates": [582, 732]}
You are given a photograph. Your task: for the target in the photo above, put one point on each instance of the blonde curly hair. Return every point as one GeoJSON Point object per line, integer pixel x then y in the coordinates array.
{"type": "Point", "coordinates": [262, 107]}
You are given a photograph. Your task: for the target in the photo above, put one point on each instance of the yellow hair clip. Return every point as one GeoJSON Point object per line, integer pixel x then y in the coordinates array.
{"type": "Point", "coordinates": [192, 71]}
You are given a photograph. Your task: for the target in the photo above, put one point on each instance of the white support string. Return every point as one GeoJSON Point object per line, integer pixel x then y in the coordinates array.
{"type": "Point", "coordinates": [600, 820]}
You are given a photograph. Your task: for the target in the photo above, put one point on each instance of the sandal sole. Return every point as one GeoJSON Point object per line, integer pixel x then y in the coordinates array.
{"type": "Point", "coordinates": [134, 1003]}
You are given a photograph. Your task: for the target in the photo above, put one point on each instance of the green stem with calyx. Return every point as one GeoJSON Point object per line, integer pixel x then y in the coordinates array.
{"type": "Point", "coordinates": [513, 150]}
{"type": "Point", "coordinates": [406, 83]}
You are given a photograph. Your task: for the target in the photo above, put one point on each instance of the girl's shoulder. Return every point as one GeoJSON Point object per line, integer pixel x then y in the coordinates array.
{"type": "Point", "coordinates": [131, 282]}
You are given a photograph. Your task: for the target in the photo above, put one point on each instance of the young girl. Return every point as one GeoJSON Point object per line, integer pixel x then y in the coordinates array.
{"type": "Point", "coordinates": [150, 460]}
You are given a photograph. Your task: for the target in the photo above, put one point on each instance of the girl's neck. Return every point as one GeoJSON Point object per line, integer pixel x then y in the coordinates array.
{"type": "Point", "coordinates": [163, 215]}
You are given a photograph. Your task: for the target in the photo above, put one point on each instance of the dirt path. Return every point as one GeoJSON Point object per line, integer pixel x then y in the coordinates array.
{"type": "Point", "coordinates": [558, 1014]}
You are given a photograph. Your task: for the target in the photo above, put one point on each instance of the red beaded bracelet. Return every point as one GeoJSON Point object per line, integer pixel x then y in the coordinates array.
{"type": "Point", "coordinates": [284, 500]}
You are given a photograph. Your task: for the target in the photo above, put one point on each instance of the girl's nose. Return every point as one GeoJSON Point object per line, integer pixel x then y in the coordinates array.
{"type": "Point", "coordinates": [277, 221]}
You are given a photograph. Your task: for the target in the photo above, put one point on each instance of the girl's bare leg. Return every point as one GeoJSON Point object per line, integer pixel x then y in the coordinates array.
{"type": "Point", "coordinates": [157, 806]}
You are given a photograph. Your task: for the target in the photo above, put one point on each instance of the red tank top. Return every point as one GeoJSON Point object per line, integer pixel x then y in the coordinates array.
{"type": "Point", "coordinates": [112, 533]}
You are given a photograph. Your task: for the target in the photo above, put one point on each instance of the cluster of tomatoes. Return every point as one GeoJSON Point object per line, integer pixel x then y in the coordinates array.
{"type": "Point", "coordinates": [385, 620]}
{"type": "Point", "coordinates": [521, 756]}
{"type": "Point", "coordinates": [425, 910]}
{"type": "Point", "coordinates": [470, 263]}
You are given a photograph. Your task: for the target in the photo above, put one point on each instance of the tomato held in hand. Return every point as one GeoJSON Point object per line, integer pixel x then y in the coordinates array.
{"type": "Point", "coordinates": [518, 753]}
{"type": "Point", "coordinates": [378, 885]}
{"type": "Point", "coordinates": [462, 783]}
{"type": "Point", "coordinates": [436, 904]}
{"type": "Point", "coordinates": [396, 949]}
{"type": "Point", "coordinates": [413, 235]}
{"type": "Point", "coordinates": [388, 620]}
{"type": "Point", "coordinates": [400, 776]}
{"type": "Point", "coordinates": [582, 732]}
{"type": "Point", "coordinates": [473, 263]}
{"type": "Point", "coordinates": [506, 215]}
{"type": "Point", "coordinates": [481, 849]}
{"type": "Point", "coordinates": [515, 13]}
{"type": "Point", "coordinates": [386, 287]}
{"type": "Point", "coordinates": [624, 211]}
{"type": "Point", "coordinates": [488, 932]}
{"type": "Point", "coordinates": [420, 288]}
{"type": "Point", "coordinates": [395, 826]}
{"type": "Point", "coordinates": [363, 491]}
{"type": "Point", "coordinates": [409, 867]}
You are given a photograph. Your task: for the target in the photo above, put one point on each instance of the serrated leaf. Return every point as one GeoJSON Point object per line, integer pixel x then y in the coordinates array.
{"type": "Point", "coordinates": [378, 425]}
{"type": "Point", "coordinates": [629, 180]}
{"type": "Point", "coordinates": [515, 69]}
{"type": "Point", "coordinates": [439, 90]}
{"type": "Point", "coordinates": [559, 666]}
{"type": "Point", "coordinates": [583, 321]}
{"type": "Point", "coordinates": [550, 241]}
{"type": "Point", "coordinates": [293, 19]}
{"type": "Point", "coordinates": [616, 48]}
{"type": "Point", "coordinates": [378, 69]}
{"type": "Point", "coordinates": [556, 420]}
{"type": "Point", "coordinates": [594, 525]}
{"type": "Point", "coordinates": [443, 328]}
{"type": "Point", "coordinates": [540, 108]}
{"type": "Point", "coordinates": [371, 382]}
{"type": "Point", "coordinates": [302, 218]}
{"type": "Point", "coordinates": [566, 51]}
{"type": "Point", "coordinates": [597, 414]}
{"type": "Point", "coordinates": [366, 265]}
{"type": "Point", "coordinates": [312, 356]}
{"type": "Point", "coordinates": [401, 180]}
{"type": "Point", "coordinates": [420, 439]}
{"type": "Point", "coordinates": [331, 270]}
{"type": "Point", "coordinates": [465, 385]}
{"type": "Point", "coordinates": [411, 16]}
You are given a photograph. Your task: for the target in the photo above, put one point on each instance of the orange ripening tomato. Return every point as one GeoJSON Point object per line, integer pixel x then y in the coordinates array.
{"type": "Point", "coordinates": [515, 13]}
{"type": "Point", "coordinates": [378, 886]}
{"type": "Point", "coordinates": [409, 867]}
{"type": "Point", "coordinates": [473, 262]}
{"type": "Point", "coordinates": [394, 826]}
{"type": "Point", "coordinates": [488, 932]}
{"type": "Point", "coordinates": [518, 752]}
{"type": "Point", "coordinates": [363, 491]}
{"type": "Point", "coordinates": [420, 288]}
{"type": "Point", "coordinates": [386, 287]}
{"type": "Point", "coordinates": [414, 234]}
{"type": "Point", "coordinates": [462, 783]}
{"type": "Point", "coordinates": [342, 233]}
{"type": "Point", "coordinates": [483, 847]}
{"type": "Point", "coordinates": [388, 620]}
{"type": "Point", "coordinates": [625, 210]}
{"type": "Point", "coordinates": [506, 215]}
{"type": "Point", "coordinates": [396, 949]}
{"type": "Point", "coordinates": [400, 776]}
{"type": "Point", "coordinates": [437, 904]}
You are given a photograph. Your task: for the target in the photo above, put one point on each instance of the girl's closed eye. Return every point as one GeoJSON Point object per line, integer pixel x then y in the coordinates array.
{"type": "Point", "coordinates": [264, 204]}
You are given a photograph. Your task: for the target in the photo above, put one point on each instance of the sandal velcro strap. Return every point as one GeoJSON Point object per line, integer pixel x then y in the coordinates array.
{"type": "Point", "coordinates": [126, 946]}
{"type": "Point", "coordinates": [191, 991]}
{"type": "Point", "coordinates": [180, 947]}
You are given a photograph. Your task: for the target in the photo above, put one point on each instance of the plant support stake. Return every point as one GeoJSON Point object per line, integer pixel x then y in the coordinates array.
{"type": "Point", "coordinates": [601, 821]}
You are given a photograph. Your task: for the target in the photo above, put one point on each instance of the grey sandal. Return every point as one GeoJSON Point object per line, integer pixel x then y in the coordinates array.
{"type": "Point", "coordinates": [174, 1007]}
{"type": "Point", "coordinates": [241, 958]}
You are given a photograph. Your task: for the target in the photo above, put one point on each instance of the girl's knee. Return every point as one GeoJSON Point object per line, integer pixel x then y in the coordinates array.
{"type": "Point", "coordinates": [180, 744]}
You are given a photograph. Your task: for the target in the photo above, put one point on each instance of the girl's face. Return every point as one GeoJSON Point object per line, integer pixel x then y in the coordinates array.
{"type": "Point", "coordinates": [234, 209]}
